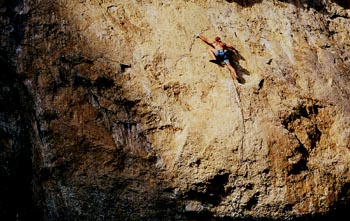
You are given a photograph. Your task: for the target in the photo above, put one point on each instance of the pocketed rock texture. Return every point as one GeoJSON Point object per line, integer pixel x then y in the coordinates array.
{"type": "Point", "coordinates": [110, 110]}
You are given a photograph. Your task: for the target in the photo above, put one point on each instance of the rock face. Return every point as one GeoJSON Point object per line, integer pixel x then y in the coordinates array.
{"type": "Point", "coordinates": [110, 110]}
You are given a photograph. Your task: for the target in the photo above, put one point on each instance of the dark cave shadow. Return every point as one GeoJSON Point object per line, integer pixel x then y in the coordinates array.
{"type": "Point", "coordinates": [318, 5]}
{"type": "Point", "coordinates": [23, 173]}
{"type": "Point", "coordinates": [245, 3]}
{"type": "Point", "coordinates": [343, 3]}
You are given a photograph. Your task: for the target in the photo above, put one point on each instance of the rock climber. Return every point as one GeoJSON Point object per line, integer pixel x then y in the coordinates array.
{"type": "Point", "coordinates": [220, 53]}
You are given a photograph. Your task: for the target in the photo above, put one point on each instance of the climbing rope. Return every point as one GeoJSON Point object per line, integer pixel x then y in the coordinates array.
{"type": "Point", "coordinates": [238, 100]}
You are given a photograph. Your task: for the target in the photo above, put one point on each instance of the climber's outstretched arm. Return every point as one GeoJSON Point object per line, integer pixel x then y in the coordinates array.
{"type": "Point", "coordinates": [204, 39]}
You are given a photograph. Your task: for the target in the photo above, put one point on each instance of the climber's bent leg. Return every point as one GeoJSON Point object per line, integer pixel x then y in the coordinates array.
{"type": "Point", "coordinates": [212, 54]}
{"type": "Point", "coordinates": [232, 70]}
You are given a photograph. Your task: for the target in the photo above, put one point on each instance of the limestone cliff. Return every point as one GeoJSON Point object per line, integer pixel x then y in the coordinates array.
{"type": "Point", "coordinates": [110, 110]}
